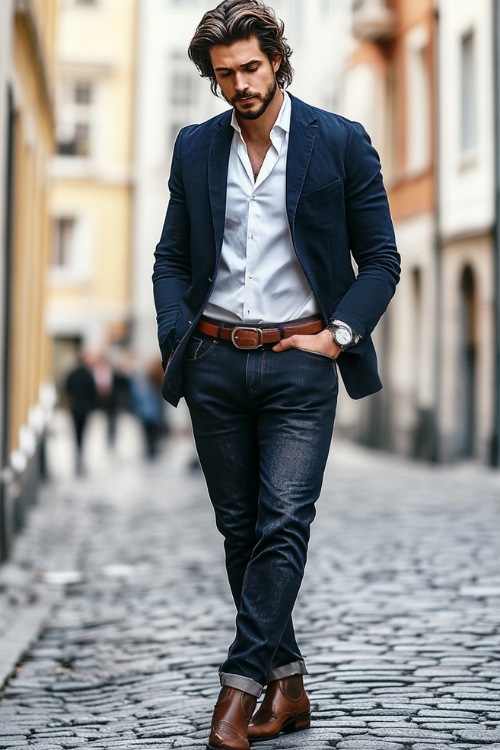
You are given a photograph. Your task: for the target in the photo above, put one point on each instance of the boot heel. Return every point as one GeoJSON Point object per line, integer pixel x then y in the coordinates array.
{"type": "Point", "coordinates": [301, 722]}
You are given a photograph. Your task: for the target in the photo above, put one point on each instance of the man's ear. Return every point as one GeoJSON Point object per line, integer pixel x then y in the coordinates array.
{"type": "Point", "coordinates": [276, 63]}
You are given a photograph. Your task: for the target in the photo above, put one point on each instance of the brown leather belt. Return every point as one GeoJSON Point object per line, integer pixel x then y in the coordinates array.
{"type": "Point", "coordinates": [250, 337]}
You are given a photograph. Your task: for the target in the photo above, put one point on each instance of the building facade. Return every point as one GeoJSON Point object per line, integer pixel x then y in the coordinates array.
{"type": "Point", "coordinates": [466, 229]}
{"type": "Point", "coordinates": [92, 180]}
{"type": "Point", "coordinates": [420, 77]}
{"type": "Point", "coordinates": [389, 86]}
{"type": "Point", "coordinates": [6, 30]}
{"type": "Point", "coordinates": [411, 153]}
{"type": "Point", "coordinates": [28, 33]}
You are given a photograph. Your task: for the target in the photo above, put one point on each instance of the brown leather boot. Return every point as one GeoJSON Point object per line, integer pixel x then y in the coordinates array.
{"type": "Point", "coordinates": [285, 708]}
{"type": "Point", "coordinates": [232, 713]}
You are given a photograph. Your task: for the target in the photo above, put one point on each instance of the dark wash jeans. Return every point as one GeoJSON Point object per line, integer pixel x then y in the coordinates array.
{"type": "Point", "coordinates": [263, 424]}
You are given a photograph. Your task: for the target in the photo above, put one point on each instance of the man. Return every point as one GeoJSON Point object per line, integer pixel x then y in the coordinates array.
{"type": "Point", "coordinates": [81, 393]}
{"type": "Point", "coordinates": [257, 304]}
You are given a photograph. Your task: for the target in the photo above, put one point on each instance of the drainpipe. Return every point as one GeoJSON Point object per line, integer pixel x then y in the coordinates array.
{"type": "Point", "coordinates": [495, 440]}
{"type": "Point", "coordinates": [435, 447]}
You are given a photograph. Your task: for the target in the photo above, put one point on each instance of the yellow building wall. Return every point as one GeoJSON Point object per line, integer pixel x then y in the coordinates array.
{"type": "Point", "coordinates": [29, 344]}
{"type": "Point", "coordinates": [108, 209]}
{"type": "Point", "coordinates": [104, 37]}
{"type": "Point", "coordinates": [98, 44]}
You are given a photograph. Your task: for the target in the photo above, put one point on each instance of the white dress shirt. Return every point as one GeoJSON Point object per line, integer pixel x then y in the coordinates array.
{"type": "Point", "coordinates": [260, 279]}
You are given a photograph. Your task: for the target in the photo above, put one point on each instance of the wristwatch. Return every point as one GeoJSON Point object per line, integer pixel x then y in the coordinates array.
{"type": "Point", "coordinates": [342, 334]}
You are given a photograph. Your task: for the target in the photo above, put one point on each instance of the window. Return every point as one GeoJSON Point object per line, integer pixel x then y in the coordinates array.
{"type": "Point", "coordinates": [83, 93]}
{"type": "Point", "coordinates": [72, 248]}
{"type": "Point", "coordinates": [74, 127]}
{"type": "Point", "coordinates": [63, 242]}
{"type": "Point", "coordinates": [182, 87]}
{"type": "Point", "coordinates": [468, 121]}
{"type": "Point", "coordinates": [183, 80]}
{"type": "Point", "coordinates": [418, 128]}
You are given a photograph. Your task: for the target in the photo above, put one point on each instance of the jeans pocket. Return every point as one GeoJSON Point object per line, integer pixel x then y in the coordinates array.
{"type": "Point", "coordinates": [199, 348]}
{"type": "Point", "coordinates": [312, 353]}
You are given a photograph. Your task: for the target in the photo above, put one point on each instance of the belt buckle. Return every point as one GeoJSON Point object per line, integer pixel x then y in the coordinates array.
{"type": "Point", "coordinates": [234, 334]}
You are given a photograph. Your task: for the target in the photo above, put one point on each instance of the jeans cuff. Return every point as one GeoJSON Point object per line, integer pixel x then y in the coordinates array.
{"type": "Point", "coordinates": [246, 684]}
{"type": "Point", "coordinates": [296, 667]}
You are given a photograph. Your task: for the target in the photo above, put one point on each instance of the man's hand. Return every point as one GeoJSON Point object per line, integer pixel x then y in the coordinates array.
{"type": "Point", "coordinates": [322, 343]}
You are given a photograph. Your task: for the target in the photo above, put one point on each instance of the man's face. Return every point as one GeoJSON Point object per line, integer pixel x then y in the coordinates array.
{"type": "Point", "coordinates": [246, 76]}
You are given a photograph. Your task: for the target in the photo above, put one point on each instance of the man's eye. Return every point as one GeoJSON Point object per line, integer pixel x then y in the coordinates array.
{"type": "Point", "coordinates": [224, 75]}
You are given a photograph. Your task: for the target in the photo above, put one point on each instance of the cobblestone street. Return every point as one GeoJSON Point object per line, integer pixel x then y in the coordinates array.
{"type": "Point", "coordinates": [118, 583]}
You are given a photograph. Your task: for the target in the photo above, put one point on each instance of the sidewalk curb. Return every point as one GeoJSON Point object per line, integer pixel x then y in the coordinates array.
{"type": "Point", "coordinates": [48, 542]}
{"type": "Point", "coordinates": [20, 637]}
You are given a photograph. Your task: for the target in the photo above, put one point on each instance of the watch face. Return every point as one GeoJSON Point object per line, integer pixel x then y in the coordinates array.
{"type": "Point", "coordinates": [343, 336]}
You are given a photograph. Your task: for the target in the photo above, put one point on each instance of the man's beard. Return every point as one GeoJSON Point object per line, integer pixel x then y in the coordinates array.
{"type": "Point", "coordinates": [254, 114]}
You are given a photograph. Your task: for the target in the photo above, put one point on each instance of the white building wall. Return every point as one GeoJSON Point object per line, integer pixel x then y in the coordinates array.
{"type": "Point", "coordinates": [413, 332]}
{"type": "Point", "coordinates": [467, 178]}
{"type": "Point", "coordinates": [466, 198]}
{"type": "Point", "coordinates": [319, 33]}
{"type": "Point", "coordinates": [165, 29]}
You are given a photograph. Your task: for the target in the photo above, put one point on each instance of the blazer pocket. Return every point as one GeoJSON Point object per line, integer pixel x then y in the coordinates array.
{"type": "Point", "coordinates": [322, 192]}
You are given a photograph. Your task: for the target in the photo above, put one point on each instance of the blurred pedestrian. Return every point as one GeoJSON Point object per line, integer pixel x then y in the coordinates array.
{"type": "Point", "coordinates": [81, 392]}
{"type": "Point", "coordinates": [103, 376]}
{"type": "Point", "coordinates": [147, 406]}
{"type": "Point", "coordinates": [112, 392]}
{"type": "Point", "coordinates": [257, 305]}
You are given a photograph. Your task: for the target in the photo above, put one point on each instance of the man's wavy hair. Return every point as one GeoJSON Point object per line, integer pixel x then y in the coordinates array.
{"type": "Point", "coordinates": [236, 20]}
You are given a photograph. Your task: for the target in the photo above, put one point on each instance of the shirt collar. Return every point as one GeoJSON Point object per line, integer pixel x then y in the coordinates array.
{"type": "Point", "coordinates": [282, 121]}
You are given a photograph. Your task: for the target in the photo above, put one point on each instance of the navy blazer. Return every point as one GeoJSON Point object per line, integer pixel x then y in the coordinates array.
{"type": "Point", "coordinates": [337, 210]}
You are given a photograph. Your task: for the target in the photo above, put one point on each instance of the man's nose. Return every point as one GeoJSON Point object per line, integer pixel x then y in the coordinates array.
{"type": "Point", "coordinates": [240, 82]}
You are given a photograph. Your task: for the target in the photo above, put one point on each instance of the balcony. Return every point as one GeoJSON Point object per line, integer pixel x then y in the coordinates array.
{"type": "Point", "coordinates": [373, 21]}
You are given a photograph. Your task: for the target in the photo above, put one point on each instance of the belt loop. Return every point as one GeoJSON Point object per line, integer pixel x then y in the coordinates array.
{"type": "Point", "coordinates": [220, 328]}
{"type": "Point", "coordinates": [281, 329]}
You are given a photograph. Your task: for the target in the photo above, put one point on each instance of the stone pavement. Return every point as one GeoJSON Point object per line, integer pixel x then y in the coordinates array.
{"type": "Point", "coordinates": [118, 584]}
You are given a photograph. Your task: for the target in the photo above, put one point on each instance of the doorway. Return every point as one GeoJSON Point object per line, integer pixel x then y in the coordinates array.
{"type": "Point", "coordinates": [467, 366]}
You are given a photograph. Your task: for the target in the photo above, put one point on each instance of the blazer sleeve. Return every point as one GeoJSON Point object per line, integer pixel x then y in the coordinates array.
{"type": "Point", "coordinates": [371, 238]}
{"type": "Point", "coordinates": [172, 268]}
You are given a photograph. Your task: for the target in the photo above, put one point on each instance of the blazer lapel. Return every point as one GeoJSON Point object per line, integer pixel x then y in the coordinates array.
{"type": "Point", "coordinates": [218, 163]}
{"type": "Point", "coordinates": [303, 130]}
